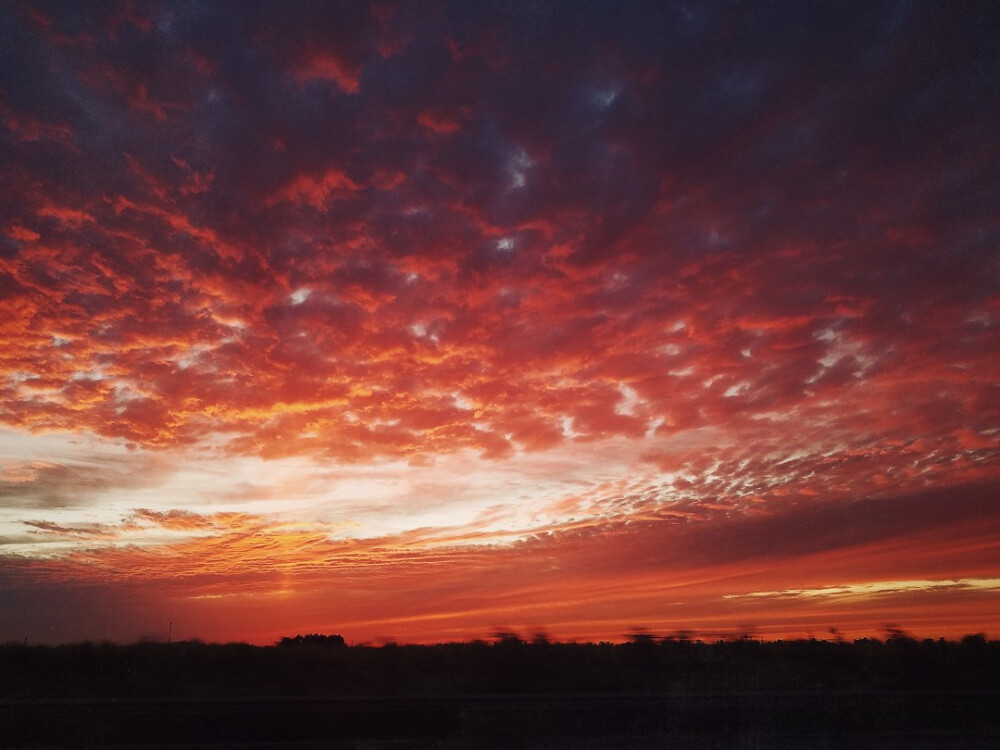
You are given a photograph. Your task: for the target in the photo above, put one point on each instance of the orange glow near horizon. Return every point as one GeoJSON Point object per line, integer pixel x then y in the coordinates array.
{"type": "Point", "coordinates": [422, 327]}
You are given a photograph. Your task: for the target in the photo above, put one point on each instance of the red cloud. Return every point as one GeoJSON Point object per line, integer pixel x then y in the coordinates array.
{"type": "Point", "coordinates": [22, 234]}
{"type": "Point", "coordinates": [315, 191]}
{"type": "Point", "coordinates": [326, 66]}
{"type": "Point", "coordinates": [66, 215]}
{"type": "Point", "coordinates": [439, 124]}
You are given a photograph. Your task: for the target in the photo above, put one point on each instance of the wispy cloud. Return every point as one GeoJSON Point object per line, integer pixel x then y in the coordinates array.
{"type": "Point", "coordinates": [876, 588]}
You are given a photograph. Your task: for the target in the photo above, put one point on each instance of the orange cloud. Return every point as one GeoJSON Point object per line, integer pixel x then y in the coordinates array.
{"type": "Point", "coordinates": [593, 580]}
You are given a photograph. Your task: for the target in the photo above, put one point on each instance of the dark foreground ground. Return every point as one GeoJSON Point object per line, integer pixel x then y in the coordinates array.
{"type": "Point", "coordinates": [719, 720]}
{"type": "Point", "coordinates": [644, 694]}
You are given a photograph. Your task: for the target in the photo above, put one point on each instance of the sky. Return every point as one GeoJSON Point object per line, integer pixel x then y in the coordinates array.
{"type": "Point", "coordinates": [426, 321]}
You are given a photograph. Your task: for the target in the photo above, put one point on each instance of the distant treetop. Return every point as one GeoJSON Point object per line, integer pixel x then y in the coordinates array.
{"type": "Point", "coordinates": [313, 639]}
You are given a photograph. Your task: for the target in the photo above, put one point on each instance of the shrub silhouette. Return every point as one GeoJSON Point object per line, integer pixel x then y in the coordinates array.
{"type": "Point", "coordinates": [314, 639]}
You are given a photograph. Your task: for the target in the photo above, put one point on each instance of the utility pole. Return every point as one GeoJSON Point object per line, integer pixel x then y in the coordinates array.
{"type": "Point", "coordinates": [170, 631]}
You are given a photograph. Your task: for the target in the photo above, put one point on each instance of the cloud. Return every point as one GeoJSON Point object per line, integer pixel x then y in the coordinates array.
{"type": "Point", "coordinates": [567, 574]}
{"type": "Point", "coordinates": [316, 192]}
{"type": "Point", "coordinates": [90, 531]}
{"type": "Point", "coordinates": [327, 67]}
{"type": "Point", "coordinates": [684, 241]}
{"type": "Point", "coordinates": [74, 483]}
{"type": "Point", "coordinates": [878, 588]}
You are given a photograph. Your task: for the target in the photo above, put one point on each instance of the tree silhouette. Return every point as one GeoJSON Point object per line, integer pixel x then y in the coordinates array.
{"type": "Point", "coordinates": [313, 639]}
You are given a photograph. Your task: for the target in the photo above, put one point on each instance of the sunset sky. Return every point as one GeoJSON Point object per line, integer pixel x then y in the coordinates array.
{"type": "Point", "coordinates": [424, 321]}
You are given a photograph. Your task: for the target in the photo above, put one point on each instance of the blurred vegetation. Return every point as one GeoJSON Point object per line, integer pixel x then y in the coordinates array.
{"type": "Point", "coordinates": [317, 665]}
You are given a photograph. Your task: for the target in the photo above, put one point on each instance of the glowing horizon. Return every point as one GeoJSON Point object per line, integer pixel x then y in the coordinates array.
{"type": "Point", "coordinates": [422, 324]}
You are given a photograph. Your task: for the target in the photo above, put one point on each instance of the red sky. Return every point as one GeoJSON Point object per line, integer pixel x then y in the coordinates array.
{"type": "Point", "coordinates": [427, 321]}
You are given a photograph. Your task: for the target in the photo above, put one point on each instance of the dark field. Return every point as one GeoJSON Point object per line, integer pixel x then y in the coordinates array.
{"type": "Point", "coordinates": [644, 694]}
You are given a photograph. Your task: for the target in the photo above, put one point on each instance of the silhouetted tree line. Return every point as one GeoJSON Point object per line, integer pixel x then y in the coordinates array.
{"type": "Point", "coordinates": [323, 665]}
{"type": "Point", "coordinates": [313, 639]}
